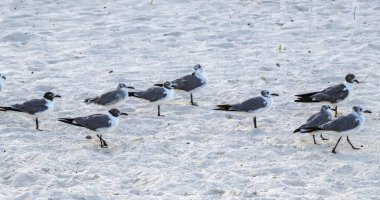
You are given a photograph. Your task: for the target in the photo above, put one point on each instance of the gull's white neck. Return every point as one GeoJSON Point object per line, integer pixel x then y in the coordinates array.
{"type": "Point", "coordinates": [349, 86]}
{"type": "Point", "coordinates": [124, 90]}
{"type": "Point", "coordinates": [269, 100]}
{"type": "Point", "coordinates": [201, 75]}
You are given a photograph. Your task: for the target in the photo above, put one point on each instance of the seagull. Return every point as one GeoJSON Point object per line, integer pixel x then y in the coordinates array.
{"type": "Point", "coordinates": [334, 94]}
{"type": "Point", "coordinates": [34, 107]}
{"type": "Point", "coordinates": [3, 78]}
{"type": "Point", "coordinates": [192, 82]}
{"type": "Point", "coordinates": [156, 94]}
{"type": "Point", "coordinates": [253, 105]}
{"type": "Point", "coordinates": [345, 125]}
{"type": "Point", "coordinates": [97, 122]}
{"type": "Point", "coordinates": [111, 98]}
{"type": "Point", "coordinates": [323, 116]}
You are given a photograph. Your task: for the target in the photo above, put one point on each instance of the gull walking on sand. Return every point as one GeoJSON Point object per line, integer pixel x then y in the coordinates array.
{"type": "Point", "coordinates": [97, 122]}
{"type": "Point", "coordinates": [345, 125]}
{"type": "Point", "coordinates": [334, 94]}
{"type": "Point", "coordinates": [253, 105]}
{"type": "Point", "coordinates": [191, 83]}
{"type": "Point", "coordinates": [111, 98]}
{"type": "Point", "coordinates": [34, 107]}
{"type": "Point", "coordinates": [156, 95]}
{"type": "Point", "coordinates": [323, 116]}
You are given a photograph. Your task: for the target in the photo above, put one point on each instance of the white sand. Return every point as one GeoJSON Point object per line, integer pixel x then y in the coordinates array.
{"type": "Point", "coordinates": [192, 152]}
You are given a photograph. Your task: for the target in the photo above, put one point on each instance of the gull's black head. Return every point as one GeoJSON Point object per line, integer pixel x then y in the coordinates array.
{"type": "Point", "coordinates": [325, 107]}
{"type": "Point", "coordinates": [198, 68]}
{"type": "Point", "coordinates": [350, 78]}
{"type": "Point", "coordinates": [167, 85]}
{"type": "Point", "coordinates": [357, 109]}
{"type": "Point", "coordinates": [3, 76]}
{"type": "Point", "coordinates": [265, 93]}
{"type": "Point", "coordinates": [116, 113]}
{"type": "Point", "coordinates": [50, 96]}
{"type": "Point", "coordinates": [122, 85]}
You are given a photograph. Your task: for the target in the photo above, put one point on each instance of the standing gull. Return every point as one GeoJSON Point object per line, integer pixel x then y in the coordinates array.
{"type": "Point", "coordinates": [111, 98]}
{"type": "Point", "coordinates": [156, 94]}
{"type": "Point", "coordinates": [97, 122]}
{"type": "Point", "coordinates": [192, 82]}
{"type": "Point", "coordinates": [34, 107]}
{"type": "Point", "coordinates": [334, 94]}
{"type": "Point", "coordinates": [3, 78]}
{"type": "Point", "coordinates": [344, 125]}
{"type": "Point", "coordinates": [253, 105]}
{"type": "Point", "coordinates": [323, 116]}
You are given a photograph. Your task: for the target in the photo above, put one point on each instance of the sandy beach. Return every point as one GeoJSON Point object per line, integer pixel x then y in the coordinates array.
{"type": "Point", "coordinates": [79, 49]}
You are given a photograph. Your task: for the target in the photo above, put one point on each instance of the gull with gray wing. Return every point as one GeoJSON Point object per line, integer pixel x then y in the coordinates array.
{"type": "Point", "coordinates": [192, 82]}
{"type": "Point", "coordinates": [111, 98]}
{"type": "Point", "coordinates": [323, 116]}
{"type": "Point", "coordinates": [156, 95]}
{"type": "Point", "coordinates": [253, 105]}
{"type": "Point", "coordinates": [97, 122]}
{"type": "Point", "coordinates": [334, 94]}
{"type": "Point", "coordinates": [34, 107]}
{"type": "Point", "coordinates": [344, 125]}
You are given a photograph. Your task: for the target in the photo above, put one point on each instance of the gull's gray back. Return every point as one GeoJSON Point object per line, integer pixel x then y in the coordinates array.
{"type": "Point", "coordinates": [250, 105]}
{"type": "Point", "coordinates": [111, 97]}
{"type": "Point", "coordinates": [332, 94]}
{"type": "Point", "coordinates": [317, 119]}
{"type": "Point", "coordinates": [32, 107]}
{"type": "Point", "coordinates": [341, 124]}
{"type": "Point", "coordinates": [152, 94]}
{"type": "Point", "coordinates": [94, 122]}
{"type": "Point", "coordinates": [187, 83]}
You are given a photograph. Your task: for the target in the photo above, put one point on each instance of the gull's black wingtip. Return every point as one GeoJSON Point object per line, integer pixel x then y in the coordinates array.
{"type": "Point", "coordinates": [223, 107]}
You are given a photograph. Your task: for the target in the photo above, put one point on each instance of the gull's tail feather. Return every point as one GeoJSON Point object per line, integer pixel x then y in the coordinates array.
{"type": "Point", "coordinates": [9, 109]}
{"type": "Point", "coordinates": [310, 129]}
{"type": "Point", "coordinates": [90, 100]}
{"type": "Point", "coordinates": [223, 107]}
{"type": "Point", "coordinates": [132, 94]}
{"type": "Point", "coordinates": [297, 130]}
{"type": "Point", "coordinates": [69, 121]}
{"type": "Point", "coordinates": [306, 97]}
{"type": "Point", "coordinates": [159, 84]}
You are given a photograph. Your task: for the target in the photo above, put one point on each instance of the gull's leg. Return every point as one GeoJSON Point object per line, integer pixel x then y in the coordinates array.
{"type": "Point", "coordinates": [323, 137]}
{"type": "Point", "coordinates": [348, 140]}
{"type": "Point", "coordinates": [37, 124]}
{"type": "Point", "coordinates": [315, 142]}
{"type": "Point", "coordinates": [100, 138]}
{"type": "Point", "coordinates": [192, 101]}
{"type": "Point", "coordinates": [333, 150]}
{"type": "Point", "coordinates": [336, 111]}
{"type": "Point", "coordinates": [158, 110]}
{"type": "Point", "coordinates": [255, 122]}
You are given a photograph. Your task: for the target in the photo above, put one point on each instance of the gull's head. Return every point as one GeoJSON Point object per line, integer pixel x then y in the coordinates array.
{"type": "Point", "coordinates": [358, 110]}
{"type": "Point", "coordinates": [50, 96]}
{"type": "Point", "coordinates": [123, 86]}
{"type": "Point", "coordinates": [2, 76]}
{"type": "Point", "coordinates": [266, 93]}
{"type": "Point", "coordinates": [198, 69]}
{"type": "Point", "coordinates": [167, 85]}
{"type": "Point", "coordinates": [116, 113]}
{"type": "Point", "coordinates": [325, 108]}
{"type": "Point", "coordinates": [350, 78]}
